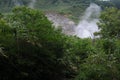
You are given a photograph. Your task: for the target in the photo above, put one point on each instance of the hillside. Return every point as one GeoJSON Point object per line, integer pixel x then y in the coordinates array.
{"type": "Point", "coordinates": [71, 8]}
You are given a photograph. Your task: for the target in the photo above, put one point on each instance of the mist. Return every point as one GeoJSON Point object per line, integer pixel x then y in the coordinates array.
{"type": "Point", "coordinates": [32, 3]}
{"type": "Point", "coordinates": [17, 2]}
{"type": "Point", "coordinates": [88, 24]}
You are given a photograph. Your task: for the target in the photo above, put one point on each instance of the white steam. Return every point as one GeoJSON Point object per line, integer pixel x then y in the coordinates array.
{"type": "Point", "coordinates": [17, 2]}
{"type": "Point", "coordinates": [32, 4]}
{"type": "Point", "coordinates": [88, 24]}
{"type": "Point", "coordinates": [86, 27]}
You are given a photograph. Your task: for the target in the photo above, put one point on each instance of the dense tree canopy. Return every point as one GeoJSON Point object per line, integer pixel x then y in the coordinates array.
{"type": "Point", "coordinates": [72, 8]}
{"type": "Point", "coordinates": [30, 44]}
{"type": "Point", "coordinates": [109, 23]}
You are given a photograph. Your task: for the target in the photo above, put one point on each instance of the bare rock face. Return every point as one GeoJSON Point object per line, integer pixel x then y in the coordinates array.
{"type": "Point", "coordinates": [62, 22]}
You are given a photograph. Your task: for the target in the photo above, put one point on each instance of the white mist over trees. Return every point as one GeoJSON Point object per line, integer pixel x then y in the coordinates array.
{"type": "Point", "coordinates": [86, 27]}
{"type": "Point", "coordinates": [32, 3]}
{"type": "Point", "coordinates": [17, 2]}
{"type": "Point", "coordinates": [88, 24]}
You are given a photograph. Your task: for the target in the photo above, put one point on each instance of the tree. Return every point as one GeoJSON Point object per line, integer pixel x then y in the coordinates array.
{"type": "Point", "coordinates": [34, 49]}
{"type": "Point", "coordinates": [109, 23]}
{"type": "Point", "coordinates": [116, 3]}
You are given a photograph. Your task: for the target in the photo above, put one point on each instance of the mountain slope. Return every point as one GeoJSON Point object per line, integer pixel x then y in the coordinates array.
{"type": "Point", "coordinates": [71, 8]}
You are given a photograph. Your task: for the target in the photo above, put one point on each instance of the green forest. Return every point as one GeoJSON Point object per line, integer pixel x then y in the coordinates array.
{"type": "Point", "coordinates": [72, 8]}
{"type": "Point", "coordinates": [32, 49]}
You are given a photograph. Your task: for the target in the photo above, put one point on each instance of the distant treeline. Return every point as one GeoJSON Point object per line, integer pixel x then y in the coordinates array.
{"type": "Point", "coordinates": [72, 8]}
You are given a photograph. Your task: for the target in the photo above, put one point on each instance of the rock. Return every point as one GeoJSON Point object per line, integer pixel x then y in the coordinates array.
{"type": "Point", "coordinates": [62, 22]}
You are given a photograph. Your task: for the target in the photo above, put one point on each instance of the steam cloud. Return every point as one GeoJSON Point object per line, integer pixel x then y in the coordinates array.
{"type": "Point", "coordinates": [88, 24]}
{"type": "Point", "coordinates": [17, 2]}
{"type": "Point", "coordinates": [32, 4]}
{"type": "Point", "coordinates": [86, 27]}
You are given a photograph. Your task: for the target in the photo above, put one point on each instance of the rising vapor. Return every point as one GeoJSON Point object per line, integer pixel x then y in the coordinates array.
{"type": "Point", "coordinates": [32, 3]}
{"type": "Point", "coordinates": [88, 24]}
{"type": "Point", "coordinates": [17, 2]}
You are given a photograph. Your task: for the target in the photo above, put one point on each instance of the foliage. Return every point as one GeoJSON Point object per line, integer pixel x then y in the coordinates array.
{"type": "Point", "coordinates": [103, 63]}
{"type": "Point", "coordinates": [72, 8]}
{"type": "Point", "coordinates": [32, 45]}
{"type": "Point", "coordinates": [109, 23]}
{"type": "Point", "coordinates": [76, 51]}
{"type": "Point", "coordinates": [99, 67]}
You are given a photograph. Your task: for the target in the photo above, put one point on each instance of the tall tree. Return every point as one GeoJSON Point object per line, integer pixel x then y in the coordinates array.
{"type": "Point", "coordinates": [34, 49]}
{"type": "Point", "coordinates": [109, 23]}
